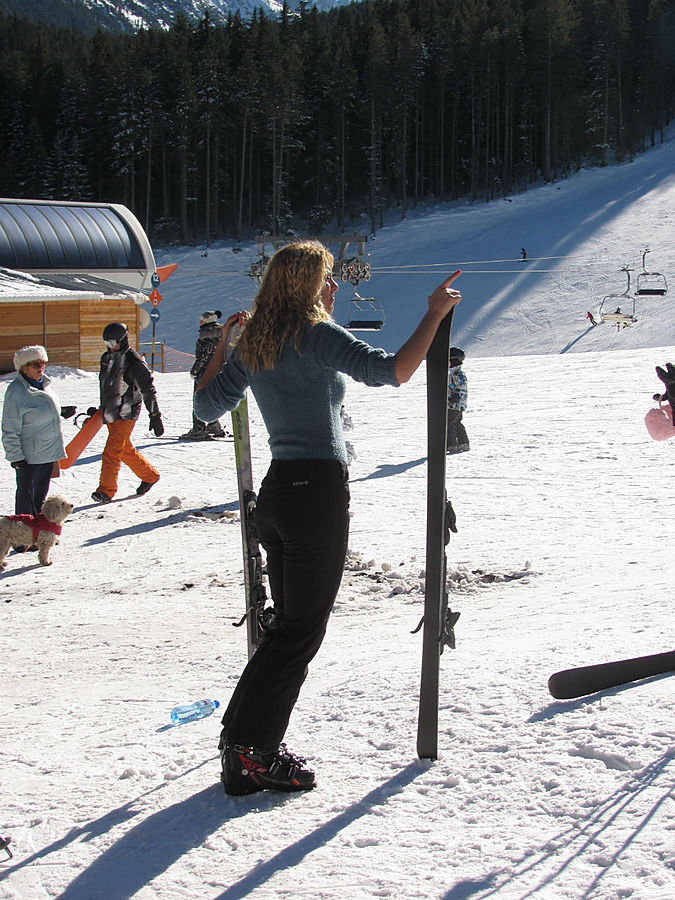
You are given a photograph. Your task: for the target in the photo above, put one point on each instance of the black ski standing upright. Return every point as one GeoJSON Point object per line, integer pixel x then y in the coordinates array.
{"type": "Point", "coordinates": [439, 620]}
{"type": "Point", "coordinates": [254, 587]}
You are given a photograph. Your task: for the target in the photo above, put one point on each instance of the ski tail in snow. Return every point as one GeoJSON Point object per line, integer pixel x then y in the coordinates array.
{"type": "Point", "coordinates": [578, 682]}
{"type": "Point", "coordinates": [439, 620]}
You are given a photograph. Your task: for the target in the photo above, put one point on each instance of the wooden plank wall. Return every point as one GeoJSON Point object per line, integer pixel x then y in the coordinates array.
{"type": "Point", "coordinates": [94, 316]}
{"type": "Point", "coordinates": [61, 328]}
{"type": "Point", "coordinates": [70, 330]}
{"type": "Point", "coordinates": [21, 326]}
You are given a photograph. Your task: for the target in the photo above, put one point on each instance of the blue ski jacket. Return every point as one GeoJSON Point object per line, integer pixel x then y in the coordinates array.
{"type": "Point", "coordinates": [31, 423]}
{"type": "Point", "coordinates": [300, 398]}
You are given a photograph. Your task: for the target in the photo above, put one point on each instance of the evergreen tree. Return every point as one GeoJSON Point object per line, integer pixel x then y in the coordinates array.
{"type": "Point", "coordinates": [208, 129]}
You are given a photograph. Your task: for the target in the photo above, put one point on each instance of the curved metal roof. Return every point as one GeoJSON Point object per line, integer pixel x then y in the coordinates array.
{"type": "Point", "coordinates": [72, 236]}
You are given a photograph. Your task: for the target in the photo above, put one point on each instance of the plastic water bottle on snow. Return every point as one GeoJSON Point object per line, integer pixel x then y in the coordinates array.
{"type": "Point", "coordinates": [200, 709]}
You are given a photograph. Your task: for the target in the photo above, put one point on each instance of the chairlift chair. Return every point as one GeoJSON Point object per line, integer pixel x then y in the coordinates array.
{"type": "Point", "coordinates": [258, 267]}
{"type": "Point", "coordinates": [366, 314]}
{"type": "Point", "coordinates": [650, 284]}
{"type": "Point", "coordinates": [619, 316]}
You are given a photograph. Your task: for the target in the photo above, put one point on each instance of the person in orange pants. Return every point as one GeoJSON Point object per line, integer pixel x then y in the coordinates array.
{"type": "Point", "coordinates": [118, 450]}
{"type": "Point", "coordinates": [125, 381]}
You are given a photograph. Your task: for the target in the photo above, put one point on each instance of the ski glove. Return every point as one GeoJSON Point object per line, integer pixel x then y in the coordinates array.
{"type": "Point", "coordinates": [68, 411]}
{"type": "Point", "coordinates": [667, 376]}
{"type": "Point", "coordinates": [156, 424]}
{"type": "Point", "coordinates": [19, 464]}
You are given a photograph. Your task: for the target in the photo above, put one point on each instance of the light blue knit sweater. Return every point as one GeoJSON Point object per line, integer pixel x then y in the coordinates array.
{"type": "Point", "coordinates": [300, 398]}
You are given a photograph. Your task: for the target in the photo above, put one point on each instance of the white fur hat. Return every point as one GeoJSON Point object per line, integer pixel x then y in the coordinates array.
{"type": "Point", "coordinates": [210, 316]}
{"type": "Point", "coordinates": [35, 353]}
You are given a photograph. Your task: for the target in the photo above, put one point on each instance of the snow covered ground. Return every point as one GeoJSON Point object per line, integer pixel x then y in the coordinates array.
{"type": "Point", "coordinates": [563, 557]}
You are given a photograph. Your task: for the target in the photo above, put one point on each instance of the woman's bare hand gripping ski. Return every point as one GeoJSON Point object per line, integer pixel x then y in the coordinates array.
{"type": "Point", "coordinates": [440, 302]}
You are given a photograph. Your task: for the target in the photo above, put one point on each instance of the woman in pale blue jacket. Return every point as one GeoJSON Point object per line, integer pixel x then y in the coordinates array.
{"type": "Point", "coordinates": [31, 429]}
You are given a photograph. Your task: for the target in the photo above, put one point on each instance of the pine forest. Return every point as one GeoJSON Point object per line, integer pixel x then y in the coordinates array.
{"type": "Point", "coordinates": [209, 131]}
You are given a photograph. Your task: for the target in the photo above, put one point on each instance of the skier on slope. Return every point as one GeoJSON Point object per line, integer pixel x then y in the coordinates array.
{"type": "Point", "coordinates": [210, 332]}
{"type": "Point", "coordinates": [292, 355]}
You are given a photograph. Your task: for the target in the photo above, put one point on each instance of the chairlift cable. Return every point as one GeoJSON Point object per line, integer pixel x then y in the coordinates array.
{"type": "Point", "coordinates": [184, 270]}
{"type": "Point", "coordinates": [397, 271]}
{"type": "Point", "coordinates": [476, 262]}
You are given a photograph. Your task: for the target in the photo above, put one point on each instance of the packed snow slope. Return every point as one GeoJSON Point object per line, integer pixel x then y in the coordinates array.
{"type": "Point", "coordinates": [563, 557]}
{"type": "Point", "coordinates": [578, 233]}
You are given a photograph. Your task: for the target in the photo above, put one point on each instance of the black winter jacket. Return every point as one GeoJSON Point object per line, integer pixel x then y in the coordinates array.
{"type": "Point", "coordinates": [209, 336]}
{"type": "Point", "coordinates": [125, 379]}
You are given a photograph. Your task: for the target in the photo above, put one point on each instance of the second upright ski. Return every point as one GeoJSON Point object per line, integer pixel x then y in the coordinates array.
{"type": "Point", "coordinates": [254, 587]}
{"type": "Point", "coordinates": [439, 620]}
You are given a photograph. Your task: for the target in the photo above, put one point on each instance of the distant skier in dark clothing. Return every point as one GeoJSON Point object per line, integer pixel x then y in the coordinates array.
{"type": "Point", "coordinates": [210, 334]}
{"type": "Point", "coordinates": [458, 393]}
{"type": "Point", "coordinates": [667, 376]}
{"type": "Point", "coordinates": [210, 331]}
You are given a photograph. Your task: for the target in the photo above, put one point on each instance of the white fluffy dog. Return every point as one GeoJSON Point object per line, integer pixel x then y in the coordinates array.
{"type": "Point", "coordinates": [42, 530]}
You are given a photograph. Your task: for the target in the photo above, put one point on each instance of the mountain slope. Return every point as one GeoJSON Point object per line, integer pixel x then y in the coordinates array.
{"type": "Point", "coordinates": [578, 233]}
{"type": "Point", "coordinates": [88, 15]}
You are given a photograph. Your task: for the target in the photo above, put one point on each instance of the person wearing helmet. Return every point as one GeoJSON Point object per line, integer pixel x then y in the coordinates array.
{"type": "Point", "coordinates": [458, 392]}
{"type": "Point", "coordinates": [210, 331]}
{"type": "Point", "coordinates": [125, 381]}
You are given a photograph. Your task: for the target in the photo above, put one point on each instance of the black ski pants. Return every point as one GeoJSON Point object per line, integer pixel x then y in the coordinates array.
{"type": "Point", "coordinates": [302, 519]}
{"type": "Point", "coordinates": [32, 486]}
{"type": "Point", "coordinates": [456, 436]}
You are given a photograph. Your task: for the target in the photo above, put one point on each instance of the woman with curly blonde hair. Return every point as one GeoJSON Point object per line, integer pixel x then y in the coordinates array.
{"type": "Point", "coordinates": [288, 302]}
{"type": "Point", "coordinates": [294, 358]}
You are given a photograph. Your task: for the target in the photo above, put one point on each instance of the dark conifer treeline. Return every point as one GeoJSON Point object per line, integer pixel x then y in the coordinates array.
{"type": "Point", "coordinates": [207, 131]}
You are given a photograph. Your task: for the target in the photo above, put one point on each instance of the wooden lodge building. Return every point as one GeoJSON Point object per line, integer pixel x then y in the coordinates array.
{"type": "Point", "coordinates": [66, 270]}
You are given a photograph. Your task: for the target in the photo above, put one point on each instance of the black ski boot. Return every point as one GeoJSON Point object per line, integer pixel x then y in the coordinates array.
{"type": "Point", "coordinates": [246, 770]}
{"type": "Point", "coordinates": [196, 434]}
{"type": "Point", "coordinates": [215, 429]}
